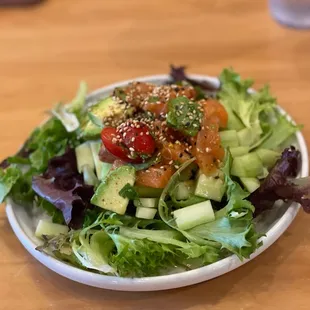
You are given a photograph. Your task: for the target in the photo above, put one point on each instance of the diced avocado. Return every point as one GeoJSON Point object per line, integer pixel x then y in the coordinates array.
{"type": "Point", "coordinates": [107, 107]}
{"type": "Point", "coordinates": [248, 166]}
{"type": "Point", "coordinates": [107, 194]}
{"type": "Point", "coordinates": [45, 228]}
{"type": "Point", "coordinates": [146, 202]}
{"type": "Point", "coordinates": [102, 169]}
{"type": "Point", "coordinates": [210, 188]}
{"type": "Point", "coordinates": [89, 176]}
{"type": "Point", "coordinates": [183, 190]}
{"type": "Point", "coordinates": [251, 184]}
{"type": "Point", "coordinates": [229, 138]}
{"type": "Point", "coordinates": [268, 157]}
{"type": "Point", "coordinates": [148, 192]}
{"type": "Point", "coordinates": [239, 151]}
{"type": "Point", "coordinates": [247, 136]}
{"type": "Point", "coordinates": [84, 157]}
{"type": "Point", "coordinates": [189, 217]}
{"type": "Point", "coordinates": [145, 213]}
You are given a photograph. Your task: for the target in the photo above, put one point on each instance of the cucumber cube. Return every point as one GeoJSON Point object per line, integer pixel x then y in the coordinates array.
{"type": "Point", "coordinates": [45, 228]}
{"type": "Point", "coordinates": [146, 213]}
{"type": "Point", "coordinates": [268, 157]}
{"type": "Point", "coordinates": [251, 184]}
{"type": "Point", "coordinates": [229, 138]}
{"type": "Point", "coordinates": [197, 214]}
{"type": "Point", "coordinates": [102, 169]}
{"type": "Point", "coordinates": [146, 202]}
{"type": "Point", "coordinates": [239, 151]}
{"type": "Point", "coordinates": [210, 188]}
{"type": "Point", "coordinates": [183, 190]}
{"type": "Point", "coordinates": [248, 166]}
{"type": "Point", "coordinates": [84, 156]}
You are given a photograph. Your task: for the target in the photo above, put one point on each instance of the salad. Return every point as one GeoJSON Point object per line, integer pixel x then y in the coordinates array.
{"type": "Point", "coordinates": [155, 179]}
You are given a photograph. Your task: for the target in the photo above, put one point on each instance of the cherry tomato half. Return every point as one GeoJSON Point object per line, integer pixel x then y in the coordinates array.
{"type": "Point", "coordinates": [108, 135]}
{"type": "Point", "coordinates": [131, 142]}
{"type": "Point", "coordinates": [140, 139]}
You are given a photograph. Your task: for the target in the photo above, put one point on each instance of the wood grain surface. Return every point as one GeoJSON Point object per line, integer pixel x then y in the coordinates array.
{"type": "Point", "coordinates": [46, 50]}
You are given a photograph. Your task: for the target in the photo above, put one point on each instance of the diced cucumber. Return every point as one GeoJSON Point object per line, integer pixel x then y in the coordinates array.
{"type": "Point", "coordinates": [189, 217]}
{"type": "Point", "coordinates": [264, 174]}
{"type": "Point", "coordinates": [145, 213]}
{"type": "Point", "coordinates": [239, 151]}
{"type": "Point", "coordinates": [247, 136]}
{"type": "Point", "coordinates": [183, 190]}
{"type": "Point", "coordinates": [248, 166]}
{"type": "Point", "coordinates": [146, 202]}
{"type": "Point", "coordinates": [210, 188]}
{"type": "Point", "coordinates": [102, 169]}
{"type": "Point", "coordinates": [268, 157]}
{"type": "Point", "coordinates": [229, 138]}
{"type": "Point", "coordinates": [251, 184]}
{"type": "Point", "coordinates": [148, 192]}
{"type": "Point", "coordinates": [45, 228]}
{"type": "Point", "coordinates": [84, 156]}
{"type": "Point", "coordinates": [89, 176]}
{"type": "Point", "coordinates": [107, 193]}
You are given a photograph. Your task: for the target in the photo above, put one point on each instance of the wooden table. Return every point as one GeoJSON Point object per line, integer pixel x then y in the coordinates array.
{"type": "Point", "coordinates": [46, 50]}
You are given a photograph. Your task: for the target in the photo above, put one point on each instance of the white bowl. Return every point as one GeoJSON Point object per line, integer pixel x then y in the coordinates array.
{"type": "Point", "coordinates": [276, 223]}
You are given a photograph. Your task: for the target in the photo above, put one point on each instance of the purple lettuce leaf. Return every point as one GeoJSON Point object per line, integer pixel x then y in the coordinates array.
{"type": "Point", "coordinates": [281, 184]}
{"type": "Point", "coordinates": [64, 187]}
{"type": "Point", "coordinates": [178, 74]}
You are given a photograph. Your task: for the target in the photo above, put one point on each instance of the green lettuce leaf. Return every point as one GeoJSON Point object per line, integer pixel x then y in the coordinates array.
{"type": "Point", "coordinates": [281, 131]}
{"type": "Point", "coordinates": [68, 119]}
{"type": "Point", "coordinates": [209, 254]}
{"type": "Point", "coordinates": [256, 110]}
{"type": "Point", "coordinates": [138, 258]}
{"type": "Point", "coordinates": [72, 113]}
{"type": "Point", "coordinates": [77, 105]}
{"type": "Point", "coordinates": [239, 237]}
{"type": "Point", "coordinates": [93, 250]}
{"type": "Point", "coordinates": [8, 178]}
{"type": "Point", "coordinates": [48, 141]}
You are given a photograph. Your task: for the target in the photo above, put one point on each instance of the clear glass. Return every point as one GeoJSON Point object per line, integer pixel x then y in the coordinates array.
{"type": "Point", "coordinates": [293, 13]}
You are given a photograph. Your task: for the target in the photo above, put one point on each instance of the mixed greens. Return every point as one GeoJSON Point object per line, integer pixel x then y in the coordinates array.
{"type": "Point", "coordinates": [157, 179]}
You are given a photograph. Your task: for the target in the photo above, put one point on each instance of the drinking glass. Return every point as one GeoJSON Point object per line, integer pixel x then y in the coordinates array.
{"type": "Point", "coordinates": [293, 13]}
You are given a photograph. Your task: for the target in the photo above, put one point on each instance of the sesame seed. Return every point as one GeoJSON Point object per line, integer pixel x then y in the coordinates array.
{"type": "Point", "coordinates": [131, 149]}
{"type": "Point", "coordinates": [170, 162]}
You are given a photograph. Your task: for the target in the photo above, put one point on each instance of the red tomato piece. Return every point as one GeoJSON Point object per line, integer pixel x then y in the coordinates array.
{"type": "Point", "coordinates": [109, 138]}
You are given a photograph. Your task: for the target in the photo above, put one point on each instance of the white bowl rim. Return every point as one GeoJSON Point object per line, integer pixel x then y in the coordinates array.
{"type": "Point", "coordinates": [166, 281]}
